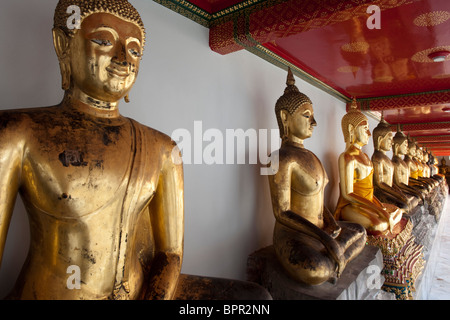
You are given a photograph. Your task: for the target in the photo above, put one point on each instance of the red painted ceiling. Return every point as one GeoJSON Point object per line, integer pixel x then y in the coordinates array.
{"type": "Point", "coordinates": [387, 69]}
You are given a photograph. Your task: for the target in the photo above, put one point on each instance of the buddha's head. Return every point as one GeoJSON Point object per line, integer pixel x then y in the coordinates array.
{"type": "Point", "coordinates": [294, 112]}
{"type": "Point", "coordinates": [411, 147]}
{"type": "Point", "coordinates": [400, 143]}
{"type": "Point", "coordinates": [100, 58]}
{"type": "Point", "coordinates": [419, 154]}
{"type": "Point", "coordinates": [355, 126]}
{"type": "Point", "coordinates": [382, 136]}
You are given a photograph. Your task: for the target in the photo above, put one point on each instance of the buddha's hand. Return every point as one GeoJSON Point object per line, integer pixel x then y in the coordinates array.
{"type": "Point", "coordinates": [334, 231]}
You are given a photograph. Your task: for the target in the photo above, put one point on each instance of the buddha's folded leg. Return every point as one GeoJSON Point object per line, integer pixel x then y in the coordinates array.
{"type": "Point", "coordinates": [352, 239]}
{"type": "Point", "coordinates": [367, 217]}
{"type": "Point", "coordinates": [304, 258]}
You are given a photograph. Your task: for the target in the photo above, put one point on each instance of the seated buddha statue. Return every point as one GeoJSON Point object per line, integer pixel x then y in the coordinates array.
{"type": "Point", "coordinates": [424, 168]}
{"type": "Point", "coordinates": [383, 170]}
{"type": "Point", "coordinates": [310, 245]}
{"type": "Point", "coordinates": [357, 202]}
{"type": "Point", "coordinates": [444, 168]}
{"type": "Point", "coordinates": [401, 168]}
{"type": "Point", "coordinates": [434, 170]}
{"type": "Point", "coordinates": [414, 169]}
{"type": "Point", "coordinates": [104, 194]}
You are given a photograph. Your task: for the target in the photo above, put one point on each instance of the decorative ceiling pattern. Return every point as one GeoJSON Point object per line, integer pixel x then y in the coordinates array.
{"type": "Point", "coordinates": [393, 56]}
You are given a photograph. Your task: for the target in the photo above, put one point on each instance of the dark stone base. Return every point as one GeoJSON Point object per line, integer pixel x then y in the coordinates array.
{"type": "Point", "coordinates": [191, 287]}
{"type": "Point", "coordinates": [264, 269]}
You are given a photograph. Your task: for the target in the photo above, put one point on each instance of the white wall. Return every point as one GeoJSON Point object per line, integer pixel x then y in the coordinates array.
{"type": "Point", "coordinates": [228, 210]}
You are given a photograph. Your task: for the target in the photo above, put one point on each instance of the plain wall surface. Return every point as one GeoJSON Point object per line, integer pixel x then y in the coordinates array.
{"type": "Point", "coordinates": [228, 212]}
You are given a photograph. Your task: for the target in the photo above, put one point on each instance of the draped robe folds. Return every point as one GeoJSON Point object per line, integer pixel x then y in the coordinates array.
{"type": "Point", "coordinates": [134, 203]}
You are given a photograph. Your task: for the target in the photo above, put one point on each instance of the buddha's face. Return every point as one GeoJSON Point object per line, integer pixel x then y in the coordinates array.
{"type": "Point", "coordinates": [412, 151]}
{"type": "Point", "coordinates": [362, 133]}
{"type": "Point", "coordinates": [301, 123]}
{"type": "Point", "coordinates": [403, 148]}
{"type": "Point", "coordinates": [386, 142]}
{"type": "Point", "coordinates": [104, 56]}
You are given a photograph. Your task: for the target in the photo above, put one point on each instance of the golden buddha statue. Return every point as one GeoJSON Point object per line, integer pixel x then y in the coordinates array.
{"type": "Point", "coordinates": [386, 227]}
{"type": "Point", "coordinates": [414, 169]}
{"type": "Point", "coordinates": [384, 188]}
{"type": "Point", "coordinates": [401, 168]}
{"type": "Point", "coordinates": [103, 193]}
{"type": "Point", "coordinates": [443, 168]}
{"type": "Point", "coordinates": [310, 245]}
{"type": "Point", "coordinates": [357, 202]}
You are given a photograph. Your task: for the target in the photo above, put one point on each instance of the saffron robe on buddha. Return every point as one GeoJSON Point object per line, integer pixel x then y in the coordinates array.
{"type": "Point", "coordinates": [364, 188]}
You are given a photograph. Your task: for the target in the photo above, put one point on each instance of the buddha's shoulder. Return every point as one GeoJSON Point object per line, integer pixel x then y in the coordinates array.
{"type": "Point", "coordinates": [154, 136]}
{"type": "Point", "coordinates": [19, 118]}
{"type": "Point", "coordinates": [296, 156]}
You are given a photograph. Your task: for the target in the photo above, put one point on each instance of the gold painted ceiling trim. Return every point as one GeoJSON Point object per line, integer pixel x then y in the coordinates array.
{"type": "Point", "coordinates": [207, 19]}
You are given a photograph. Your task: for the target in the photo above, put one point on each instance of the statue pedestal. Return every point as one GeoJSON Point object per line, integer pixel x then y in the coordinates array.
{"type": "Point", "coordinates": [194, 287]}
{"type": "Point", "coordinates": [360, 280]}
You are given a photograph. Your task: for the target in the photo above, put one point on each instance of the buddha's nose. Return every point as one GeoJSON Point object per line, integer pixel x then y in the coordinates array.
{"type": "Point", "coordinates": [121, 56]}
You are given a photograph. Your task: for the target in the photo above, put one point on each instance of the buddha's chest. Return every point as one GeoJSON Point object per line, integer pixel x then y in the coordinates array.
{"type": "Point", "coordinates": [73, 172]}
{"type": "Point", "coordinates": [308, 176]}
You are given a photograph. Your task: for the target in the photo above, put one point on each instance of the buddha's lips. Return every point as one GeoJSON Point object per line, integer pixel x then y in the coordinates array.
{"type": "Point", "coordinates": [118, 73]}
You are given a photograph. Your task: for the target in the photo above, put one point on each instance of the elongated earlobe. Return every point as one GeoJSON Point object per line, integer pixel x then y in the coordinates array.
{"type": "Point", "coordinates": [61, 44]}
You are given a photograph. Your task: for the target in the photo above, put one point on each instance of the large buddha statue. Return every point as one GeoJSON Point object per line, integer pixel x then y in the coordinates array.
{"type": "Point", "coordinates": [443, 168]}
{"type": "Point", "coordinates": [103, 193]}
{"type": "Point", "coordinates": [401, 168]}
{"type": "Point", "coordinates": [383, 177]}
{"type": "Point", "coordinates": [357, 202]}
{"type": "Point", "coordinates": [310, 245]}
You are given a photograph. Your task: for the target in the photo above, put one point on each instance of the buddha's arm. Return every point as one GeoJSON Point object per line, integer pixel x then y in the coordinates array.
{"type": "Point", "coordinates": [378, 176]}
{"type": "Point", "coordinates": [330, 224]}
{"type": "Point", "coordinates": [167, 216]}
{"type": "Point", "coordinates": [10, 171]}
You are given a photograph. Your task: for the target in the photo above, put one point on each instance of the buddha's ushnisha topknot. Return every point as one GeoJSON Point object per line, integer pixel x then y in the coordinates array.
{"type": "Point", "coordinates": [120, 8]}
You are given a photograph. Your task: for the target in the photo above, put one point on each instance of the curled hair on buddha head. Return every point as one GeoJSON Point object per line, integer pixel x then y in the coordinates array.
{"type": "Point", "coordinates": [290, 101]}
{"type": "Point", "coordinates": [119, 8]}
{"type": "Point", "coordinates": [353, 117]}
{"type": "Point", "coordinates": [381, 130]}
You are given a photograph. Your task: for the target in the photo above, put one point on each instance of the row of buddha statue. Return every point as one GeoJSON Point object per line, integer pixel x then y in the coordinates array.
{"type": "Point", "coordinates": [105, 193]}
{"type": "Point", "coordinates": [378, 198]}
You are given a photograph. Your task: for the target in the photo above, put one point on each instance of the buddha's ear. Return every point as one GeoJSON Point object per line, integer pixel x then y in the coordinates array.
{"type": "Point", "coordinates": [60, 42]}
{"type": "Point", "coordinates": [378, 141]}
{"type": "Point", "coordinates": [283, 115]}
{"type": "Point", "coordinates": [351, 133]}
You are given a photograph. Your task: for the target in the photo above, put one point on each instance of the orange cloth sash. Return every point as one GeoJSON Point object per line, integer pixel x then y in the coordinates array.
{"type": "Point", "coordinates": [363, 188]}
{"type": "Point", "coordinates": [414, 174]}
